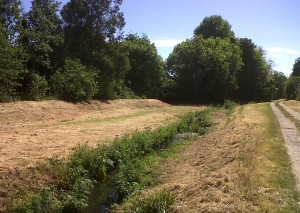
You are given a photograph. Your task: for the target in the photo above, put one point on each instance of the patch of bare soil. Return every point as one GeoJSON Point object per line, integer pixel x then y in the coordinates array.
{"type": "Point", "coordinates": [210, 174]}
{"type": "Point", "coordinates": [34, 131]}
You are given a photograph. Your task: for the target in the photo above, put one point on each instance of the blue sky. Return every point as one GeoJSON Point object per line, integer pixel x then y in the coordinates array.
{"type": "Point", "coordinates": [272, 24]}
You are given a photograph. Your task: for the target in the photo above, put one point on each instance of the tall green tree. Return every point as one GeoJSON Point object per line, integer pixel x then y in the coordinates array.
{"type": "Point", "coordinates": [43, 36]}
{"type": "Point", "coordinates": [214, 26]}
{"type": "Point", "coordinates": [280, 81]}
{"type": "Point", "coordinates": [296, 68]}
{"type": "Point", "coordinates": [10, 67]}
{"type": "Point", "coordinates": [205, 69]}
{"type": "Point", "coordinates": [293, 88]}
{"type": "Point", "coordinates": [89, 24]}
{"type": "Point", "coordinates": [92, 34]}
{"type": "Point", "coordinates": [255, 80]}
{"type": "Point", "coordinates": [11, 18]}
{"type": "Point", "coordinates": [146, 67]}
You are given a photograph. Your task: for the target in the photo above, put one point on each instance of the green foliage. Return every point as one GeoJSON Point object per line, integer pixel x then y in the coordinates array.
{"type": "Point", "coordinates": [293, 88]}
{"type": "Point", "coordinates": [214, 26]}
{"type": "Point", "coordinates": [113, 64]}
{"type": "Point", "coordinates": [75, 82]}
{"type": "Point", "coordinates": [88, 23]}
{"type": "Point", "coordinates": [129, 178]}
{"type": "Point", "coordinates": [205, 69]}
{"type": "Point", "coordinates": [122, 91]}
{"type": "Point", "coordinates": [229, 105]}
{"type": "Point", "coordinates": [195, 122]}
{"type": "Point", "coordinates": [43, 202]}
{"type": "Point", "coordinates": [296, 68]}
{"type": "Point", "coordinates": [38, 88]}
{"type": "Point", "coordinates": [42, 35]}
{"type": "Point", "coordinates": [280, 81]}
{"type": "Point", "coordinates": [146, 67]}
{"type": "Point", "coordinates": [255, 79]}
{"type": "Point", "coordinates": [161, 202]}
{"type": "Point", "coordinates": [93, 38]}
{"type": "Point", "coordinates": [10, 68]}
{"type": "Point", "coordinates": [79, 186]}
{"type": "Point", "coordinates": [11, 18]}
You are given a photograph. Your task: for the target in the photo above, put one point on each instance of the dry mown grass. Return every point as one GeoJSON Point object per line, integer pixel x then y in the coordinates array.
{"type": "Point", "coordinates": [293, 104]}
{"type": "Point", "coordinates": [34, 131]}
{"type": "Point", "coordinates": [240, 167]}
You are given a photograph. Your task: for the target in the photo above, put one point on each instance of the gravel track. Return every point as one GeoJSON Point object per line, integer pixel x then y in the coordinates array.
{"type": "Point", "coordinates": [291, 137]}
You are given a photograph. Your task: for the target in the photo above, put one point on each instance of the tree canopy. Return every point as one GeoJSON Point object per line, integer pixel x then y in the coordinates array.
{"type": "Point", "coordinates": [255, 78]}
{"type": "Point", "coordinates": [10, 68]}
{"type": "Point", "coordinates": [83, 54]}
{"type": "Point", "coordinates": [296, 68]}
{"type": "Point", "coordinates": [205, 69]}
{"type": "Point", "coordinates": [214, 26]}
{"type": "Point", "coordinates": [146, 67]}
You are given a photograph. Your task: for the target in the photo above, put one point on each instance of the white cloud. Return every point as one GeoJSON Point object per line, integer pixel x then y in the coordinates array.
{"type": "Point", "coordinates": [167, 42]}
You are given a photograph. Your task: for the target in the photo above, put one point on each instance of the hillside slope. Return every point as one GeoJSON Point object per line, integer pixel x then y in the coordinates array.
{"type": "Point", "coordinates": [33, 131]}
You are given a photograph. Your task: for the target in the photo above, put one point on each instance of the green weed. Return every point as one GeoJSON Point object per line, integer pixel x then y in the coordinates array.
{"type": "Point", "coordinates": [161, 202]}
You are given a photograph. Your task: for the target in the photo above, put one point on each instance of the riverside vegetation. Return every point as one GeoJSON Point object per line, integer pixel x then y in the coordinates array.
{"type": "Point", "coordinates": [119, 169]}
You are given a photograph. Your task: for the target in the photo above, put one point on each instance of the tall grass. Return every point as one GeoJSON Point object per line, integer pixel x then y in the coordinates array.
{"type": "Point", "coordinates": [119, 164]}
{"type": "Point", "coordinates": [160, 202]}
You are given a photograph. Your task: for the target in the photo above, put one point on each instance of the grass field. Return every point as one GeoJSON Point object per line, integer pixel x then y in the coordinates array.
{"type": "Point", "coordinates": [240, 165]}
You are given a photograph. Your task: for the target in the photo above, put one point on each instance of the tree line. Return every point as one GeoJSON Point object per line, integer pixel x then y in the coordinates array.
{"type": "Point", "coordinates": [78, 52]}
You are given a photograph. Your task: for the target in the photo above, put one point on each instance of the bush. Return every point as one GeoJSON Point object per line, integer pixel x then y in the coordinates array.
{"type": "Point", "coordinates": [292, 88]}
{"type": "Point", "coordinates": [43, 202]}
{"type": "Point", "coordinates": [122, 91]}
{"type": "Point", "coordinates": [195, 122]}
{"type": "Point", "coordinates": [161, 202]}
{"type": "Point", "coordinates": [75, 82]}
{"type": "Point", "coordinates": [38, 88]}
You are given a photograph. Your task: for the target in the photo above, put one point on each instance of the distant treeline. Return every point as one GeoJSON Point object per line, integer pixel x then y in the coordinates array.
{"type": "Point", "coordinates": [79, 52]}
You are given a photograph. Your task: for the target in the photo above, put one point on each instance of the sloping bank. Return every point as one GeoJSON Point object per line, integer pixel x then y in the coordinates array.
{"type": "Point", "coordinates": [113, 171]}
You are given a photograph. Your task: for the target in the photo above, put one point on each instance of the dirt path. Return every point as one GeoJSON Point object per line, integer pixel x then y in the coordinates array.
{"type": "Point", "coordinates": [291, 137]}
{"type": "Point", "coordinates": [292, 112]}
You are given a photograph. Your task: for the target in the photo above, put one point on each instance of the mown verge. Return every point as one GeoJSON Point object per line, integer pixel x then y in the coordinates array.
{"type": "Point", "coordinates": [267, 172]}
{"type": "Point", "coordinates": [106, 167]}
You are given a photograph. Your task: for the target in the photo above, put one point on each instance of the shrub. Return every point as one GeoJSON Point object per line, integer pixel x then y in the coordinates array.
{"type": "Point", "coordinates": [75, 82]}
{"type": "Point", "coordinates": [38, 88]}
{"type": "Point", "coordinates": [161, 202]}
{"type": "Point", "coordinates": [228, 104]}
{"type": "Point", "coordinates": [197, 122]}
{"type": "Point", "coordinates": [122, 91]}
{"type": "Point", "coordinates": [292, 88]}
{"type": "Point", "coordinates": [43, 202]}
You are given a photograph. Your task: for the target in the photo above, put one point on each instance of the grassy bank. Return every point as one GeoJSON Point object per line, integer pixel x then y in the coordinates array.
{"type": "Point", "coordinates": [118, 169]}
{"type": "Point", "coordinates": [266, 172]}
